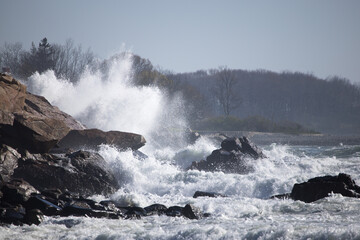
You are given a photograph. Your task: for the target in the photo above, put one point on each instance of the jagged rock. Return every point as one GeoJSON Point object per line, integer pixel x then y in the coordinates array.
{"type": "Point", "coordinates": [17, 191]}
{"type": "Point", "coordinates": [8, 162]}
{"type": "Point", "coordinates": [207, 194]}
{"type": "Point", "coordinates": [231, 158]}
{"type": "Point", "coordinates": [92, 138]}
{"type": "Point", "coordinates": [28, 121]}
{"type": "Point", "coordinates": [81, 172]}
{"type": "Point", "coordinates": [192, 212]}
{"type": "Point", "coordinates": [320, 187]}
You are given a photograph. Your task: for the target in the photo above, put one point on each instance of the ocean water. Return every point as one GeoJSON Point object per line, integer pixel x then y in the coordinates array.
{"type": "Point", "coordinates": [246, 212]}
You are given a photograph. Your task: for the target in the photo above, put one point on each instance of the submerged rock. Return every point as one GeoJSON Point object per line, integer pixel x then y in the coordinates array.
{"type": "Point", "coordinates": [232, 157]}
{"type": "Point", "coordinates": [207, 194]}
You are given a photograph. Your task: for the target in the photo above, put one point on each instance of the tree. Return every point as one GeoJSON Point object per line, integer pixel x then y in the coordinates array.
{"type": "Point", "coordinates": [38, 59]}
{"type": "Point", "coordinates": [224, 90]}
{"type": "Point", "coordinates": [70, 61]}
{"type": "Point", "coordinates": [10, 56]}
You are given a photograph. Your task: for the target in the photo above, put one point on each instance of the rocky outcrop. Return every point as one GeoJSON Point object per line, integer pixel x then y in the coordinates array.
{"type": "Point", "coordinates": [321, 187]}
{"type": "Point", "coordinates": [80, 172]}
{"type": "Point", "coordinates": [21, 203]}
{"type": "Point", "coordinates": [232, 157]}
{"type": "Point", "coordinates": [28, 121]}
{"type": "Point", "coordinates": [92, 138]}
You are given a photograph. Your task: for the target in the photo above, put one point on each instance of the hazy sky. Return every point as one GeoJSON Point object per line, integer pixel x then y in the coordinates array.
{"type": "Point", "coordinates": [313, 36]}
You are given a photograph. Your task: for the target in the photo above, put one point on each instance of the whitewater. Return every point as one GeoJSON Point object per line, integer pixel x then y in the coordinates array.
{"type": "Point", "coordinates": [109, 101]}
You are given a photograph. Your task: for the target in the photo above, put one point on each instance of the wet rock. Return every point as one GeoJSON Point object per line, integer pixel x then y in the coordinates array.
{"type": "Point", "coordinates": [155, 209]}
{"type": "Point", "coordinates": [232, 157]}
{"type": "Point", "coordinates": [192, 212]}
{"type": "Point", "coordinates": [135, 212]}
{"type": "Point", "coordinates": [81, 172]}
{"type": "Point", "coordinates": [92, 138]}
{"type": "Point", "coordinates": [81, 208]}
{"type": "Point", "coordinates": [13, 215]}
{"type": "Point", "coordinates": [34, 216]}
{"type": "Point", "coordinates": [207, 194]}
{"type": "Point", "coordinates": [174, 211]}
{"type": "Point", "coordinates": [243, 145]}
{"type": "Point", "coordinates": [17, 191]}
{"type": "Point", "coordinates": [39, 202]}
{"type": "Point", "coordinates": [320, 187]}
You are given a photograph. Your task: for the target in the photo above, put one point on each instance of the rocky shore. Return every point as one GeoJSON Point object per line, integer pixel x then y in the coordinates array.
{"type": "Point", "coordinates": [44, 169]}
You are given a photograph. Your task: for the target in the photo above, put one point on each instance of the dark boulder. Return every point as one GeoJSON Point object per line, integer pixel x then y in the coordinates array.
{"type": "Point", "coordinates": [174, 211]}
{"type": "Point", "coordinates": [243, 145]}
{"type": "Point", "coordinates": [81, 172]}
{"type": "Point", "coordinates": [320, 187]}
{"type": "Point", "coordinates": [34, 216]}
{"type": "Point", "coordinates": [17, 191]}
{"type": "Point", "coordinates": [232, 157]}
{"type": "Point", "coordinates": [13, 215]}
{"type": "Point", "coordinates": [155, 209]}
{"type": "Point", "coordinates": [192, 212]}
{"type": "Point", "coordinates": [92, 138]}
{"type": "Point", "coordinates": [207, 194]}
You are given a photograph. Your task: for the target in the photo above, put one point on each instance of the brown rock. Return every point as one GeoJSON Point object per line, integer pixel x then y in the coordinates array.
{"type": "Point", "coordinates": [91, 138]}
{"type": "Point", "coordinates": [28, 121]}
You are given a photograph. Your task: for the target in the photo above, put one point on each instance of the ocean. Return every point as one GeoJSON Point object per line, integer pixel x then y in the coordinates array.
{"type": "Point", "coordinates": [112, 103]}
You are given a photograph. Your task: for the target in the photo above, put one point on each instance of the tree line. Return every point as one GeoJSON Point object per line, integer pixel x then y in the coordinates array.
{"type": "Point", "coordinates": [329, 105]}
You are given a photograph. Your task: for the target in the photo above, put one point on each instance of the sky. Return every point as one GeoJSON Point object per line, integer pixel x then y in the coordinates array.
{"type": "Point", "coordinates": [321, 37]}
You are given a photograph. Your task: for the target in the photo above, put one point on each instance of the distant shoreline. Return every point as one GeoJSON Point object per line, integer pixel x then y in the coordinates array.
{"type": "Point", "coordinates": [266, 138]}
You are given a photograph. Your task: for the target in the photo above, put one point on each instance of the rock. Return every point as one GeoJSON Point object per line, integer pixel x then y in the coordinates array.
{"type": "Point", "coordinates": [135, 212]}
{"type": "Point", "coordinates": [174, 211]}
{"type": "Point", "coordinates": [92, 138]}
{"type": "Point", "coordinates": [28, 121]}
{"type": "Point", "coordinates": [17, 191]}
{"type": "Point", "coordinates": [207, 194]}
{"type": "Point", "coordinates": [8, 162]}
{"type": "Point", "coordinates": [81, 172]}
{"type": "Point", "coordinates": [232, 157]}
{"type": "Point", "coordinates": [155, 209]}
{"type": "Point", "coordinates": [243, 145]}
{"type": "Point", "coordinates": [12, 98]}
{"type": "Point", "coordinates": [13, 215]}
{"type": "Point", "coordinates": [34, 216]}
{"type": "Point", "coordinates": [192, 212]}
{"type": "Point", "coordinates": [82, 209]}
{"type": "Point", "coordinates": [39, 202]}
{"type": "Point", "coordinates": [320, 187]}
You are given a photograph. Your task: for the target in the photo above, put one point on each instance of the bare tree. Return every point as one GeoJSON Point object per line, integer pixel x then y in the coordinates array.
{"type": "Point", "coordinates": [10, 56]}
{"type": "Point", "coordinates": [224, 90]}
{"type": "Point", "coordinates": [71, 60]}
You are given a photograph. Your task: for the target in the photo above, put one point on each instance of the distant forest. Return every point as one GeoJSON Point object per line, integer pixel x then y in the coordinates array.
{"type": "Point", "coordinates": [239, 97]}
